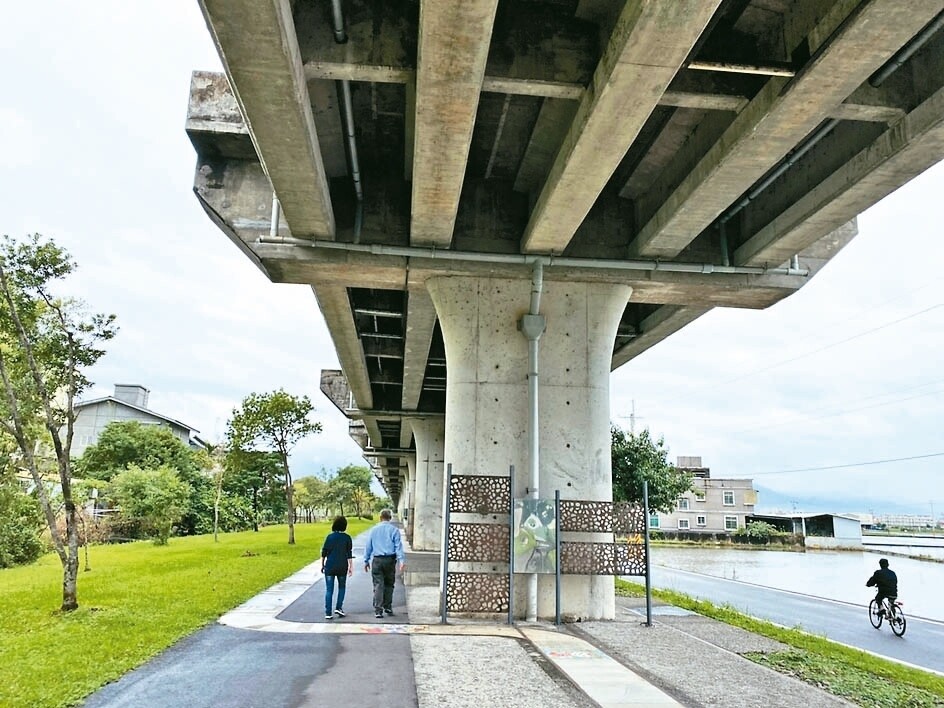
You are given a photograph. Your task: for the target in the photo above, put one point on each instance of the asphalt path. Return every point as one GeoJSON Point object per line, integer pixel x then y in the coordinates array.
{"type": "Point", "coordinates": [225, 667]}
{"type": "Point", "coordinates": [848, 623]}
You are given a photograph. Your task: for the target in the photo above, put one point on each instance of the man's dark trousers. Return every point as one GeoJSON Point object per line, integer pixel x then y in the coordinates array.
{"type": "Point", "coordinates": [383, 572]}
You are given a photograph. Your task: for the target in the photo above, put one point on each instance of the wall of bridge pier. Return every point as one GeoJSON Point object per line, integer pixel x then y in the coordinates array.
{"type": "Point", "coordinates": [486, 425]}
{"type": "Point", "coordinates": [427, 515]}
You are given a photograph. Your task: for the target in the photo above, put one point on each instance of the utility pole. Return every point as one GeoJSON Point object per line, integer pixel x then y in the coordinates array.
{"type": "Point", "coordinates": [632, 417]}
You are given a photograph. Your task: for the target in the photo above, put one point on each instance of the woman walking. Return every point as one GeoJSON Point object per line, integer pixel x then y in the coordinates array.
{"type": "Point", "coordinates": [337, 561]}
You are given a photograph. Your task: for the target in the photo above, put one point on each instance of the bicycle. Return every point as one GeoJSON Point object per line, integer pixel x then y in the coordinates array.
{"type": "Point", "coordinates": [890, 611]}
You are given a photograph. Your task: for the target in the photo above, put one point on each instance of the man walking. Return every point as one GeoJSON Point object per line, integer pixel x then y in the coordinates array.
{"type": "Point", "coordinates": [384, 551]}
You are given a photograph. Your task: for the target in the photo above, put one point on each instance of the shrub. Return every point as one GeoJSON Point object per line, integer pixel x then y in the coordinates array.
{"type": "Point", "coordinates": [21, 523]}
{"type": "Point", "coordinates": [155, 499]}
{"type": "Point", "coordinates": [758, 532]}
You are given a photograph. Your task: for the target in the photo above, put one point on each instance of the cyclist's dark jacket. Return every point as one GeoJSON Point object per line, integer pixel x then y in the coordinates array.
{"type": "Point", "coordinates": [885, 581]}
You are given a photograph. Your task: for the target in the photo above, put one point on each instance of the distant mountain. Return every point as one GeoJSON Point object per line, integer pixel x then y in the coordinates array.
{"type": "Point", "coordinates": [770, 501]}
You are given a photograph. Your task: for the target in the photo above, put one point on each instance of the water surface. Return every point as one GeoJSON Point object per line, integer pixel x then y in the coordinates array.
{"type": "Point", "coordinates": [838, 575]}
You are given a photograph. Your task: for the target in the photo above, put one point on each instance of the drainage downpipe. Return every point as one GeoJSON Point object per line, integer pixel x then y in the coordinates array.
{"type": "Point", "coordinates": [355, 163]}
{"type": "Point", "coordinates": [274, 223]}
{"type": "Point", "coordinates": [532, 327]}
{"type": "Point", "coordinates": [378, 249]}
{"type": "Point", "coordinates": [347, 117]}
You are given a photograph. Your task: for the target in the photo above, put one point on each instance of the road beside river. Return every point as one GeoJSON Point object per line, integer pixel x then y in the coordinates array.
{"type": "Point", "coordinates": [806, 590]}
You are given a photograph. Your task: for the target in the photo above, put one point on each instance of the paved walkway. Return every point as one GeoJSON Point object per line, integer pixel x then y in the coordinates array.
{"type": "Point", "coordinates": [278, 650]}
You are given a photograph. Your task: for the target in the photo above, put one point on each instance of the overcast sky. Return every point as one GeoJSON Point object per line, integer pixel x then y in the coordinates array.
{"type": "Point", "coordinates": [93, 153]}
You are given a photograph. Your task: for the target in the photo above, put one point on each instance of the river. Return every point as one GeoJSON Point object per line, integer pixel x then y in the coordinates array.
{"type": "Point", "coordinates": [837, 575]}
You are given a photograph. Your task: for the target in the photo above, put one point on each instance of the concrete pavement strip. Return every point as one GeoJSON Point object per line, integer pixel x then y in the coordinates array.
{"type": "Point", "coordinates": [603, 679]}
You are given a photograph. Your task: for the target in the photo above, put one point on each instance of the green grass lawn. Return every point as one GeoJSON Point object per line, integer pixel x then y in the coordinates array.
{"type": "Point", "coordinates": [137, 600]}
{"type": "Point", "coordinates": [862, 678]}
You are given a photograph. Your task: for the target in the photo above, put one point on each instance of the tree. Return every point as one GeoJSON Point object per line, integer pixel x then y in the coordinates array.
{"type": "Point", "coordinates": [274, 422]}
{"type": "Point", "coordinates": [361, 500]}
{"type": "Point", "coordinates": [126, 443]}
{"type": "Point", "coordinates": [340, 491]}
{"type": "Point", "coordinates": [156, 499]}
{"type": "Point", "coordinates": [211, 461]}
{"type": "Point", "coordinates": [256, 477]}
{"type": "Point", "coordinates": [357, 476]}
{"type": "Point", "coordinates": [637, 458]}
{"type": "Point", "coordinates": [46, 342]}
{"type": "Point", "coordinates": [351, 486]}
{"type": "Point", "coordinates": [310, 493]}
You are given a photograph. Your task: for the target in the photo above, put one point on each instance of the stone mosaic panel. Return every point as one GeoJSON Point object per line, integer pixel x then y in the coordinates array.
{"type": "Point", "coordinates": [479, 494]}
{"type": "Point", "coordinates": [478, 542]}
{"type": "Point", "coordinates": [579, 558]}
{"type": "Point", "coordinates": [621, 518]}
{"type": "Point", "coordinates": [477, 592]}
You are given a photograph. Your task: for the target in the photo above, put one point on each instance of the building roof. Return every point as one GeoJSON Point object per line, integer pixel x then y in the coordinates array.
{"type": "Point", "coordinates": [83, 404]}
{"type": "Point", "coordinates": [804, 515]}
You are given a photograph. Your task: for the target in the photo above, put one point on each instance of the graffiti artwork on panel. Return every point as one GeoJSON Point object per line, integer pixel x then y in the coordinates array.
{"type": "Point", "coordinates": [535, 536]}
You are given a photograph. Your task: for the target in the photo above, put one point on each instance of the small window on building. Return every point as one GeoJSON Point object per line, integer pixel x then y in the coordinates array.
{"type": "Point", "coordinates": [683, 523]}
{"type": "Point", "coordinates": [728, 498]}
{"type": "Point", "coordinates": [654, 521]}
{"type": "Point", "coordinates": [730, 523]}
{"type": "Point", "coordinates": [701, 520]}
{"type": "Point", "coordinates": [683, 504]}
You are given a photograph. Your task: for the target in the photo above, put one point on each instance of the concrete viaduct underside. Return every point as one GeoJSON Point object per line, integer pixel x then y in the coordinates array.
{"type": "Point", "coordinates": [657, 159]}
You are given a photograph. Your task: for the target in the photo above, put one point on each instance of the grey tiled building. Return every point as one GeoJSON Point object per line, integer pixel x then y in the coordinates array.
{"type": "Point", "coordinates": [129, 402]}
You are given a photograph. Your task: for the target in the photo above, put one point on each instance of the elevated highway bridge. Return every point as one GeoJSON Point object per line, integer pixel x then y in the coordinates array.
{"type": "Point", "coordinates": [498, 202]}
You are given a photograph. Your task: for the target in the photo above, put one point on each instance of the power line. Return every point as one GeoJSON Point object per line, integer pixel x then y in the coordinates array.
{"type": "Point", "coordinates": [830, 346]}
{"type": "Point", "coordinates": [808, 418]}
{"type": "Point", "coordinates": [854, 464]}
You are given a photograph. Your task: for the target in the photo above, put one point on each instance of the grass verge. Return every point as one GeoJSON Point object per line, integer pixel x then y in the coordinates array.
{"type": "Point", "coordinates": [850, 673]}
{"type": "Point", "coordinates": [137, 600]}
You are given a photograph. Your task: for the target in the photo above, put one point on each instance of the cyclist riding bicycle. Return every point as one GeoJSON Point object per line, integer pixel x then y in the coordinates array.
{"type": "Point", "coordinates": [886, 582]}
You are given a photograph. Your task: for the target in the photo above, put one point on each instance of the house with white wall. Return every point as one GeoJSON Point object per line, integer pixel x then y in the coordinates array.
{"type": "Point", "coordinates": [713, 505]}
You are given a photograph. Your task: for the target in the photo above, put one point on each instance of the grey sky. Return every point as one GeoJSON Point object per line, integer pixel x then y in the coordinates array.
{"type": "Point", "coordinates": [94, 154]}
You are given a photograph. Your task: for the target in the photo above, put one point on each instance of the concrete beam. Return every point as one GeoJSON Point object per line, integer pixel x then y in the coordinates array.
{"type": "Point", "coordinates": [845, 50]}
{"type": "Point", "coordinates": [660, 324]}
{"type": "Point", "coordinates": [420, 322]}
{"type": "Point", "coordinates": [296, 264]}
{"type": "Point", "coordinates": [335, 305]}
{"type": "Point", "coordinates": [529, 53]}
{"type": "Point", "coordinates": [637, 67]}
{"type": "Point", "coordinates": [453, 49]}
{"type": "Point", "coordinates": [899, 154]}
{"type": "Point", "coordinates": [257, 44]}
{"type": "Point", "coordinates": [551, 126]}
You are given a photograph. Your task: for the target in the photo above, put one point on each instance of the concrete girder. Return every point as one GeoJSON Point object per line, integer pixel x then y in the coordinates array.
{"type": "Point", "coordinates": [900, 153]}
{"type": "Point", "coordinates": [660, 324]}
{"type": "Point", "coordinates": [297, 264]}
{"type": "Point", "coordinates": [626, 87]}
{"type": "Point", "coordinates": [845, 50]}
{"type": "Point", "coordinates": [553, 122]}
{"type": "Point", "coordinates": [257, 44]}
{"type": "Point", "coordinates": [420, 322]}
{"type": "Point", "coordinates": [453, 49]}
{"type": "Point", "coordinates": [335, 305]}
{"type": "Point", "coordinates": [381, 47]}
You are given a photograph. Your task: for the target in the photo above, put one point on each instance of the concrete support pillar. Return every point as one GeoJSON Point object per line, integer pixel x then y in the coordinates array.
{"type": "Point", "coordinates": [429, 436]}
{"type": "Point", "coordinates": [487, 400]}
{"type": "Point", "coordinates": [407, 500]}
